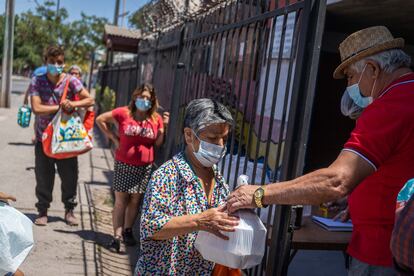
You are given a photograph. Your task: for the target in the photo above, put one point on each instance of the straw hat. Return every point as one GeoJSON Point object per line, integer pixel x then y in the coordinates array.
{"type": "Point", "coordinates": [365, 43]}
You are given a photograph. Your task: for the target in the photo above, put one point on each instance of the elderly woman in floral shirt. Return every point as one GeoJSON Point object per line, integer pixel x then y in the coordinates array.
{"type": "Point", "coordinates": [187, 194]}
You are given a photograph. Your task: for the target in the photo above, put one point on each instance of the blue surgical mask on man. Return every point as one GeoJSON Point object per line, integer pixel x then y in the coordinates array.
{"type": "Point", "coordinates": [143, 104]}
{"type": "Point", "coordinates": [355, 94]}
{"type": "Point", "coordinates": [208, 154]}
{"type": "Point", "coordinates": [54, 69]}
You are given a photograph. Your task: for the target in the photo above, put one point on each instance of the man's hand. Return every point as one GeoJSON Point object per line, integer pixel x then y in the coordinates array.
{"type": "Point", "coordinates": [343, 216]}
{"type": "Point", "coordinates": [5, 197]}
{"type": "Point", "coordinates": [242, 198]}
{"type": "Point", "coordinates": [337, 205]}
{"type": "Point", "coordinates": [68, 106]}
{"type": "Point", "coordinates": [215, 220]}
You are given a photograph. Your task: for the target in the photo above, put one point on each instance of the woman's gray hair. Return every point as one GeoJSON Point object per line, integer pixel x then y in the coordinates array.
{"type": "Point", "coordinates": [76, 68]}
{"type": "Point", "coordinates": [201, 113]}
{"type": "Point", "coordinates": [388, 61]}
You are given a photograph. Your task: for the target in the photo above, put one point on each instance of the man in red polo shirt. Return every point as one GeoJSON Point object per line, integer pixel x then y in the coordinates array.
{"type": "Point", "coordinates": [377, 159]}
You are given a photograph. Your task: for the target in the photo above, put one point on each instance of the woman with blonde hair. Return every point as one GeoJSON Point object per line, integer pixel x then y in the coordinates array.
{"type": "Point", "coordinates": [140, 128]}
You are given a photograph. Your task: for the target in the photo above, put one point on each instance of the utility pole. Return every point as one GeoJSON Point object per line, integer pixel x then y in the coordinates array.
{"type": "Point", "coordinates": [91, 70]}
{"type": "Point", "coordinates": [123, 13]}
{"type": "Point", "coordinates": [7, 65]}
{"type": "Point", "coordinates": [116, 15]}
{"type": "Point", "coordinates": [57, 9]}
{"type": "Point", "coordinates": [57, 19]}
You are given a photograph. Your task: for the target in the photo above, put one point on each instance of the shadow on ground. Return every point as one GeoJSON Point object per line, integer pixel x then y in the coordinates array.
{"type": "Point", "coordinates": [21, 144]}
{"type": "Point", "coordinates": [50, 219]}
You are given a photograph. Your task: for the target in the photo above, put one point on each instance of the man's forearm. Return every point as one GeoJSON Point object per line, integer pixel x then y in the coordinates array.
{"type": "Point", "coordinates": [314, 188]}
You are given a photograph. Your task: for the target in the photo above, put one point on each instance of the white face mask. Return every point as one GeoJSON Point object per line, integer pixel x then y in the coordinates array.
{"type": "Point", "coordinates": [208, 154]}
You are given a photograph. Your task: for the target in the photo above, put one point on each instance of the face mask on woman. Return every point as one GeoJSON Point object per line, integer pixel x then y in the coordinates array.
{"type": "Point", "coordinates": [143, 104]}
{"type": "Point", "coordinates": [54, 69]}
{"type": "Point", "coordinates": [208, 154]}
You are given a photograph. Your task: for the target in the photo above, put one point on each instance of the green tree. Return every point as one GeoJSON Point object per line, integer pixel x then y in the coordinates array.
{"type": "Point", "coordinates": [36, 30]}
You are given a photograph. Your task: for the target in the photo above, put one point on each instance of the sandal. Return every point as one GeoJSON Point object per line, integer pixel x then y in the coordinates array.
{"type": "Point", "coordinates": [129, 237]}
{"type": "Point", "coordinates": [41, 219]}
{"type": "Point", "coordinates": [115, 244]}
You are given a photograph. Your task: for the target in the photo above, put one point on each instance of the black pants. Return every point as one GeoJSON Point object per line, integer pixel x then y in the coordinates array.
{"type": "Point", "coordinates": [45, 179]}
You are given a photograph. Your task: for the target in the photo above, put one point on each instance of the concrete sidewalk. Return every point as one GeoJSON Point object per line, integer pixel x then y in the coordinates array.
{"type": "Point", "coordinates": [60, 249]}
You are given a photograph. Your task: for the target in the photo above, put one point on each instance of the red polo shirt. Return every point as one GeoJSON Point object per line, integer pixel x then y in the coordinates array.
{"type": "Point", "coordinates": [384, 136]}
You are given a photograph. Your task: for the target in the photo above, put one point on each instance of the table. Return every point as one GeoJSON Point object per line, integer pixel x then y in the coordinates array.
{"type": "Point", "coordinates": [313, 237]}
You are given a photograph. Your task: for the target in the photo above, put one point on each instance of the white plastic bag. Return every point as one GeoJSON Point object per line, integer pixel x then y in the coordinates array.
{"type": "Point", "coordinates": [245, 247]}
{"type": "Point", "coordinates": [69, 133]}
{"type": "Point", "coordinates": [16, 238]}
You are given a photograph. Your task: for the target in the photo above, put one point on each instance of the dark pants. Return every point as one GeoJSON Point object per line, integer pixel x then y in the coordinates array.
{"type": "Point", "coordinates": [45, 179]}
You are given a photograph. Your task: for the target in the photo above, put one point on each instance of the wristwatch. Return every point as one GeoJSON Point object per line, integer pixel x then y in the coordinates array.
{"type": "Point", "coordinates": [258, 197]}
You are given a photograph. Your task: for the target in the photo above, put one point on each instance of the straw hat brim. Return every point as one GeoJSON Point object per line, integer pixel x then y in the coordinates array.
{"type": "Point", "coordinates": [396, 43]}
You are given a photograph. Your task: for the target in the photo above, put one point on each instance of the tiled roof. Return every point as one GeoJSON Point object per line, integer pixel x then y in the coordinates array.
{"type": "Point", "coordinates": [111, 30]}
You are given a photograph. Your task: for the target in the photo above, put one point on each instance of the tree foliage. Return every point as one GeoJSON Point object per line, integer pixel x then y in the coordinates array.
{"type": "Point", "coordinates": [36, 30]}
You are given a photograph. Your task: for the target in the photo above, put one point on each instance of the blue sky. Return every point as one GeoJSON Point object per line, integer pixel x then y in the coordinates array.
{"type": "Point", "coordinates": [103, 8]}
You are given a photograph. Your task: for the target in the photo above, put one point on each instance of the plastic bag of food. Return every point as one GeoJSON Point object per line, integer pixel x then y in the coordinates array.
{"type": "Point", "coordinates": [245, 246]}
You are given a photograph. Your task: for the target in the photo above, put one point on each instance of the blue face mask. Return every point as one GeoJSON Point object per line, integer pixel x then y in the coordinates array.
{"type": "Point", "coordinates": [143, 104]}
{"type": "Point", "coordinates": [355, 94]}
{"type": "Point", "coordinates": [54, 69]}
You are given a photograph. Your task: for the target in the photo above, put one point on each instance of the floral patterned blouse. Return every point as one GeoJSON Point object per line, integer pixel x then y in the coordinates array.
{"type": "Point", "coordinates": [174, 190]}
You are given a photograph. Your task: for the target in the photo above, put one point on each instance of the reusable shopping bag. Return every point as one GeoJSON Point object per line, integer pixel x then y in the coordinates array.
{"type": "Point", "coordinates": [16, 238]}
{"type": "Point", "coordinates": [68, 134]}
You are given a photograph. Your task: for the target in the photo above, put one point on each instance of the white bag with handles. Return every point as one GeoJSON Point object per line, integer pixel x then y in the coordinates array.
{"type": "Point", "coordinates": [245, 246]}
{"type": "Point", "coordinates": [16, 238]}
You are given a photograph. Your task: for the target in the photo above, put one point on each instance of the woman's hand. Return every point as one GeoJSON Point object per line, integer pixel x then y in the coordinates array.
{"type": "Point", "coordinates": [5, 197]}
{"type": "Point", "coordinates": [114, 140]}
{"type": "Point", "coordinates": [215, 220]}
{"type": "Point", "coordinates": [166, 119]}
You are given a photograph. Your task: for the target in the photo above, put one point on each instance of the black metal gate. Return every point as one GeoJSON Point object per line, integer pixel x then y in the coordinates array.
{"type": "Point", "coordinates": [260, 59]}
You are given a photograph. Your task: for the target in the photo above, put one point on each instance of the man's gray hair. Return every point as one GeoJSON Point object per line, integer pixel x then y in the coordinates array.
{"type": "Point", "coordinates": [201, 113]}
{"type": "Point", "coordinates": [76, 68]}
{"type": "Point", "coordinates": [388, 61]}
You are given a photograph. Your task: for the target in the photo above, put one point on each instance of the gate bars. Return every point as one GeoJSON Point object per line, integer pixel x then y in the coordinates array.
{"type": "Point", "coordinates": [260, 59]}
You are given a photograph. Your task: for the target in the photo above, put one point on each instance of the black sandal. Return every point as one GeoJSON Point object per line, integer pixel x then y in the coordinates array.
{"type": "Point", "coordinates": [129, 239]}
{"type": "Point", "coordinates": [115, 244]}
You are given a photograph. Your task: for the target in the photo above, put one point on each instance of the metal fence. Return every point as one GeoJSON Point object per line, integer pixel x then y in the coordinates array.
{"type": "Point", "coordinates": [259, 58]}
